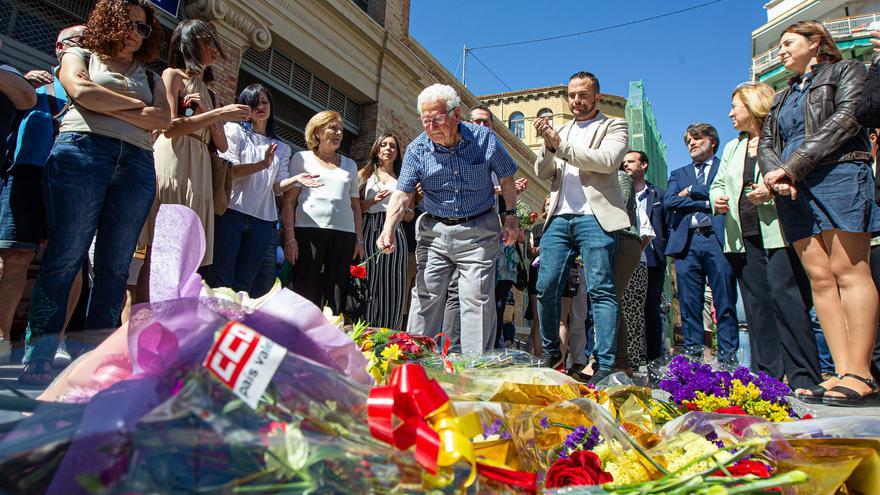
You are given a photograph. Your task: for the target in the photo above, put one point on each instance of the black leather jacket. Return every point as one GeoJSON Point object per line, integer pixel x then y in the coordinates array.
{"type": "Point", "coordinates": [832, 134]}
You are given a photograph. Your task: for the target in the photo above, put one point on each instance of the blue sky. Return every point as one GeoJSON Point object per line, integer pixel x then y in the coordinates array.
{"type": "Point", "coordinates": [690, 62]}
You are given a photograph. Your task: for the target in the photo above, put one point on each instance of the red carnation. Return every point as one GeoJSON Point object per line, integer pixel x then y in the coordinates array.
{"type": "Point", "coordinates": [358, 271]}
{"type": "Point", "coordinates": [581, 468]}
{"type": "Point", "coordinates": [731, 410]}
{"type": "Point", "coordinates": [746, 466]}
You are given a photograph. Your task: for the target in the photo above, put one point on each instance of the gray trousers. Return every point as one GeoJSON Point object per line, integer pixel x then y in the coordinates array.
{"type": "Point", "coordinates": [468, 249]}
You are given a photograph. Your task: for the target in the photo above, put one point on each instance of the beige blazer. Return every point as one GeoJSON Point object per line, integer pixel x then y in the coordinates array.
{"type": "Point", "coordinates": [598, 157]}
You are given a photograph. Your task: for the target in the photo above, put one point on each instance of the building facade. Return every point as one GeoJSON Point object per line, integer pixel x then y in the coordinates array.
{"type": "Point", "coordinates": [352, 56]}
{"type": "Point", "coordinates": [517, 110]}
{"type": "Point", "coordinates": [846, 20]}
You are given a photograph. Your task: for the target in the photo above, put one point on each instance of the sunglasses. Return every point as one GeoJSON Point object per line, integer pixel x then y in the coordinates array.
{"type": "Point", "coordinates": [142, 29]}
{"type": "Point", "coordinates": [438, 120]}
{"type": "Point", "coordinates": [73, 40]}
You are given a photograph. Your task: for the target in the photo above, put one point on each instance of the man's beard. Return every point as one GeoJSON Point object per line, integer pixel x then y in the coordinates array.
{"type": "Point", "coordinates": [584, 112]}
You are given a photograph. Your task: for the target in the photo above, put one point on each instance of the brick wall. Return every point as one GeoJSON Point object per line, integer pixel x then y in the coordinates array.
{"type": "Point", "coordinates": [226, 72]}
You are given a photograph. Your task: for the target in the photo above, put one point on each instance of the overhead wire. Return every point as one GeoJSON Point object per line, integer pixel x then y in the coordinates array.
{"type": "Point", "coordinates": [581, 33]}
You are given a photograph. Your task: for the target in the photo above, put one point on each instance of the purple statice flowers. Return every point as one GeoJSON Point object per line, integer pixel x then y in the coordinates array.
{"type": "Point", "coordinates": [582, 438]}
{"type": "Point", "coordinates": [684, 378]}
{"type": "Point", "coordinates": [496, 428]}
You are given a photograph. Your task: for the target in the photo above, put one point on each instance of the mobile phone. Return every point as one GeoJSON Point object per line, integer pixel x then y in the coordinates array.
{"type": "Point", "coordinates": [185, 110]}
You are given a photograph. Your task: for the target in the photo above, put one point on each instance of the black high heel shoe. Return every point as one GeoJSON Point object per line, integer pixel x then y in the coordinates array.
{"type": "Point", "coordinates": [851, 398]}
{"type": "Point", "coordinates": [816, 393]}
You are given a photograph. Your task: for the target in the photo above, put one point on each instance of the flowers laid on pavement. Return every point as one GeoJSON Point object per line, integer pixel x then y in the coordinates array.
{"type": "Point", "coordinates": [697, 387]}
{"type": "Point", "coordinates": [385, 348]}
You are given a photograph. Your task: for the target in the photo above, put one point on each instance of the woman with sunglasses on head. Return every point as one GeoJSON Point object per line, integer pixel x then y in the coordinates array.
{"type": "Point", "coordinates": [386, 275]}
{"type": "Point", "coordinates": [182, 153]}
{"type": "Point", "coordinates": [260, 167]}
{"type": "Point", "coordinates": [100, 175]}
{"type": "Point", "coordinates": [775, 289]}
{"type": "Point", "coordinates": [815, 156]}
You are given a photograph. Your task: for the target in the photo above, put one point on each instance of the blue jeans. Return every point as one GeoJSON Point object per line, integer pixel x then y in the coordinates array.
{"type": "Point", "coordinates": [826, 364]}
{"type": "Point", "coordinates": [92, 183]}
{"type": "Point", "coordinates": [567, 236]}
{"type": "Point", "coordinates": [240, 245]}
{"type": "Point", "coordinates": [268, 271]}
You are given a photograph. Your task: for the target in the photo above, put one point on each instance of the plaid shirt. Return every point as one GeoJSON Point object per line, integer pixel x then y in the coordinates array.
{"type": "Point", "coordinates": [456, 181]}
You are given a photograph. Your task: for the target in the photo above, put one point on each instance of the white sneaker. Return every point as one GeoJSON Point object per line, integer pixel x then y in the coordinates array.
{"type": "Point", "coordinates": [62, 357]}
{"type": "Point", "coordinates": [5, 351]}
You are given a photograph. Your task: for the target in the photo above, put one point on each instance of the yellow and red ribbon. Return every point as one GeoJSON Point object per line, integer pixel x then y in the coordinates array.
{"type": "Point", "coordinates": [428, 421]}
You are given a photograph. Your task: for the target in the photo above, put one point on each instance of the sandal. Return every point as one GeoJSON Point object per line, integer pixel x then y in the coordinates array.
{"type": "Point", "coordinates": [38, 372]}
{"type": "Point", "coordinates": [816, 393]}
{"type": "Point", "coordinates": [851, 398]}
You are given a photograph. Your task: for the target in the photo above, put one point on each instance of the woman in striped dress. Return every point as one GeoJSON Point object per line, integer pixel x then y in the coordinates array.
{"type": "Point", "coordinates": [386, 275]}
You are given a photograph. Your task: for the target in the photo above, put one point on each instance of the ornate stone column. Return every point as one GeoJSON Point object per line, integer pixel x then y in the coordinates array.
{"type": "Point", "coordinates": [240, 26]}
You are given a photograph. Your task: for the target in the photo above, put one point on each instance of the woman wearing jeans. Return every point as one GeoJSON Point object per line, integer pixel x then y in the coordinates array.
{"type": "Point", "coordinates": [260, 167]}
{"type": "Point", "coordinates": [100, 176]}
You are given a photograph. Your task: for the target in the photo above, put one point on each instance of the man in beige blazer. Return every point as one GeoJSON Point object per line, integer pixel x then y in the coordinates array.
{"type": "Point", "coordinates": [586, 210]}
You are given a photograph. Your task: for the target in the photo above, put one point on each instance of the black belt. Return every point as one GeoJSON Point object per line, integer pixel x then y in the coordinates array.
{"type": "Point", "coordinates": [459, 220]}
{"type": "Point", "coordinates": [707, 230]}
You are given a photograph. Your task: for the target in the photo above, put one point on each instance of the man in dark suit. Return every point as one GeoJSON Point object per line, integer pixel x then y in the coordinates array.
{"type": "Point", "coordinates": [695, 241]}
{"type": "Point", "coordinates": [650, 202]}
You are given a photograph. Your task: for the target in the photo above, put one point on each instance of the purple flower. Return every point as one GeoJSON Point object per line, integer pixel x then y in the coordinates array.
{"type": "Point", "coordinates": [582, 438]}
{"type": "Point", "coordinates": [545, 422]}
{"type": "Point", "coordinates": [493, 429]}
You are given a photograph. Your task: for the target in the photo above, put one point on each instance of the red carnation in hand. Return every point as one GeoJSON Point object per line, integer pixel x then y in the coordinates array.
{"type": "Point", "coordinates": [581, 468]}
{"type": "Point", "coordinates": [731, 410]}
{"type": "Point", "coordinates": [358, 271]}
{"type": "Point", "coordinates": [746, 466]}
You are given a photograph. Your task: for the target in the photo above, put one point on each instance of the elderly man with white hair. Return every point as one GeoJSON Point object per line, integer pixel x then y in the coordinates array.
{"type": "Point", "coordinates": [454, 162]}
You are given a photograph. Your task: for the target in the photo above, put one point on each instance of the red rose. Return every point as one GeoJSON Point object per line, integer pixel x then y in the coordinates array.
{"type": "Point", "coordinates": [745, 467]}
{"type": "Point", "coordinates": [690, 406]}
{"type": "Point", "coordinates": [358, 271]}
{"type": "Point", "coordinates": [731, 410]}
{"type": "Point", "coordinates": [581, 468]}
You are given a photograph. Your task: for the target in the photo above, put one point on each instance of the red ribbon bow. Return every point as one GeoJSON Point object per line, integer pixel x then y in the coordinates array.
{"type": "Point", "coordinates": [428, 421]}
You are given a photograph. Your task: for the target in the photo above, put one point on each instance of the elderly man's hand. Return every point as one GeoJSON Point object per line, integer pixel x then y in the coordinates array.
{"type": "Point", "coordinates": [685, 192]}
{"type": "Point", "coordinates": [521, 184]}
{"type": "Point", "coordinates": [385, 241]}
{"type": "Point", "coordinates": [511, 230]}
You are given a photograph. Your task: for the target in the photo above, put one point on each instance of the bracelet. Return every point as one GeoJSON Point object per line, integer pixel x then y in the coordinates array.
{"type": "Point", "coordinates": [289, 241]}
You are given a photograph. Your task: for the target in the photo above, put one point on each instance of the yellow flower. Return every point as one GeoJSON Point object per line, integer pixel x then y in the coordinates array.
{"type": "Point", "coordinates": [686, 447]}
{"type": "Point", "coordinates": [710, 402]}
{"type": "Point", "coordinates": [768, 410]}
{"type": "Point", "coordinates": [741, 394]}
{"type": "Point", "coordinates": [392, 352]}
{"type": "Point", "coordinates": [628, 469]}
{"type": "Point", "coordinates": [368, 345]}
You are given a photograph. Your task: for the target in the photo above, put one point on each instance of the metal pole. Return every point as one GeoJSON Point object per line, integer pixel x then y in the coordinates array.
{"type": "Point", "coordinates": [464, 52]}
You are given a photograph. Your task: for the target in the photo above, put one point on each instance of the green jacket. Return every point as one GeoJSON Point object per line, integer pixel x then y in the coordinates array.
{"type": "Point", "coordinates": [729, 181]}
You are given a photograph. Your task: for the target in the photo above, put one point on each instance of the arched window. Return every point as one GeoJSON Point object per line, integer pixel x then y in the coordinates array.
{"type": "Point", "coordinates": [547, 113]}
{"type": "Point", "coordinates": [517, 124]}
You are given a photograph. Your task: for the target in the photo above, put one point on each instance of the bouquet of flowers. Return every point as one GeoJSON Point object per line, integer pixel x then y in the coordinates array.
{"type": "Point", "coordinates": [526, 215]}
{"type": "Point", "coordinates": [385, 348]}
{"type": "Point", "coordinates": [697, 387]}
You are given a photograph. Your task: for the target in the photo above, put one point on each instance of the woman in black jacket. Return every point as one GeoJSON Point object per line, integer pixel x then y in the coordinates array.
{"type": "Point", "coordinates": [815, 156]}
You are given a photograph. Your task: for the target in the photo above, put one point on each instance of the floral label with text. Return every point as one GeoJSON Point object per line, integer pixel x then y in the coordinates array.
{"type": "Point", "coordinates": [244, 361]}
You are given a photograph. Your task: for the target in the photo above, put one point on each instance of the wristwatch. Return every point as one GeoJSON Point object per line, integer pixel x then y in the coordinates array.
{"type": "Point", "coordinates": [509, 211]}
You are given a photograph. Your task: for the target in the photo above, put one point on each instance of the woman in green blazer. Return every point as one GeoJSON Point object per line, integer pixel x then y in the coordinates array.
{"type": "Point", "coordinates": [775, 289]}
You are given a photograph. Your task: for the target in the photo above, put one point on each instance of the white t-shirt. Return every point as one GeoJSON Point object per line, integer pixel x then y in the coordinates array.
{"type": "Point", "coordinates": [254, 194]}
{"type": "Point", "coordinates": [328, 206]}
{"type": "Point", "coordinates": [572, 197]}
{"type": "Point", "coordinates": [374, 185]}
{"type": "Point", "coordinates": [645, 227]}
